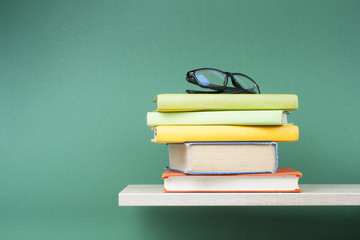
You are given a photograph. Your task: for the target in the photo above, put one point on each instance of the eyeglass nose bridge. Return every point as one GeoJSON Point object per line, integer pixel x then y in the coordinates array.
{"type": "Point", "coordinates": [229, 74]}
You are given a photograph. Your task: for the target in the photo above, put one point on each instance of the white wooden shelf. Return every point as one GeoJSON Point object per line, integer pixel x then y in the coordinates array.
{"type": "Point", "coordinates": [312, 195]}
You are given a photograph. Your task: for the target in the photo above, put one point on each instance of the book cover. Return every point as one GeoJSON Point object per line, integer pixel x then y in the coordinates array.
{"type": "Point", "coordinates": [215, 102]}
{"type": "Point", "coordinates": [181, 134]}
{"type": "Point", "coordinates": [270, 117]}
{"type": "Point", "coordinates": [283, 180]}
{"type": "Point", "coordinates": [209, 158]}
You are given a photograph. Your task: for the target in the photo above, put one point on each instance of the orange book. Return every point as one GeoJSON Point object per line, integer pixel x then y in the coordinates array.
{"type": "Point", "coordinates": [283, 180]}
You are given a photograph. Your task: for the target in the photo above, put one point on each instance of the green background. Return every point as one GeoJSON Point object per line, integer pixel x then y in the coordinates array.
{"type": "Point", "coordinates": [76, 81]}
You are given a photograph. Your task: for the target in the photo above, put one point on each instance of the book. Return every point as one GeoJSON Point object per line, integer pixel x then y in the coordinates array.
{"type": "Point", "coordinates": [270, 117]}
{"type": "Point", "coordinates": [216, 102]}
{"type": "Point", "coordinates": [283, 180]}
{"type": "Point", "coordinates": [181, 134]}
{"type": "Point", "coordinates": [223, 157]}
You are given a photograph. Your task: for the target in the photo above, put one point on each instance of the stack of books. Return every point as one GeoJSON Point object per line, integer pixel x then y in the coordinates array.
{"type": "Point", "coordinates": [225, 142]}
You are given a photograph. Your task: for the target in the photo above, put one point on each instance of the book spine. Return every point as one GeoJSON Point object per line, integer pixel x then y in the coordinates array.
{"type": "Point", "coordinates": [181, 134]}
{"type": "Point", "coordinates": [188, 156]}
{"type": "Point", "coordinates": [213, 102]}
{"type": "Point", "coordinates": [271, 117]}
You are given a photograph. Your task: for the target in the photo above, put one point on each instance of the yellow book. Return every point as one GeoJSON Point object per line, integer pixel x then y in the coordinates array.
{"type": "Point", "coordinates": [225, 102]}
{"type": "Point", "coordinates": [181, 134]}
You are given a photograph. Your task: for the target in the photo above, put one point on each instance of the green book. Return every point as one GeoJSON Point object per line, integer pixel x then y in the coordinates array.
{"type": "Point", "coordinates": [225, 102]}
{"type": "Point", "coordinates": [271, 117]}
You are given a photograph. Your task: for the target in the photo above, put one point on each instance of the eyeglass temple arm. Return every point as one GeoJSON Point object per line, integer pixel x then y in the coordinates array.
{"type": "Point", "coordinates": [196, 91]}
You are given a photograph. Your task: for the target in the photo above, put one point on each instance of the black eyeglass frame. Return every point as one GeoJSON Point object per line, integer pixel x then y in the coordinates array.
{"type": "Point", "coordinates": [190, 75]}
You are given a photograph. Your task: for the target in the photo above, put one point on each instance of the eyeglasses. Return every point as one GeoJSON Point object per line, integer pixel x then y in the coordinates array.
{"type": "Point", "coordinates": [217, 80]}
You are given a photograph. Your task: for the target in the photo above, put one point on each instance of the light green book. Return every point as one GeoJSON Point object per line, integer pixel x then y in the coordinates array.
{"type": "Point", "coordinates": [271, 117]}
{"type": "Point", "coordinates": [221, 102]}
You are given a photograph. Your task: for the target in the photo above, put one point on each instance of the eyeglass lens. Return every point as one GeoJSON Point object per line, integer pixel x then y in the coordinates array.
{"type": "Point", "coordinates": [210, 77]}
{"type": "Point", "coordinates": [246, 83]}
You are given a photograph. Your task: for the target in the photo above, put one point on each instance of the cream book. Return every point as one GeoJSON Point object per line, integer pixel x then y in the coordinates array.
{"type": "Point", "coordinates": [223, 157]}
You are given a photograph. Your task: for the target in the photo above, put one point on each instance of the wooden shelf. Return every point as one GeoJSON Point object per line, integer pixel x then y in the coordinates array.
{"type": "Point", "coordinates": [312, 195]}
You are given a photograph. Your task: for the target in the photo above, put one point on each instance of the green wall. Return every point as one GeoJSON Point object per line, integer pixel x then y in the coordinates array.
{"type": "Point", "coordinates": [76, 81]}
